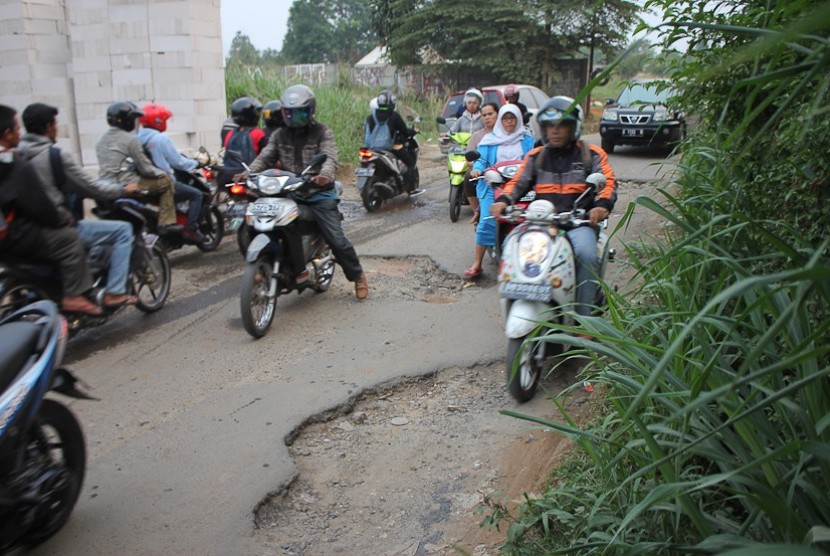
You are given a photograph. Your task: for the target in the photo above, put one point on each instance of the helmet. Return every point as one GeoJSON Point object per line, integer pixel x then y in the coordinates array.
{"type": "Point", "coordinates": [245, 111]}
{"type": "Point", "coordinates": [386, 100]}
{"type": "Point", "coordinates": [298, 104]}
{"type": "Point", "coordinates": [561, 109]}
{"type": "Point", "coordinates": [155, 116]}
{"type": "Point", "coordinates": [122, 114]}
{"type": "Point", "coordinates": [272, 113]}
{"type": "Point", "coordinates": [511, 91]}
{"type": "Point", "coordinates": [373, 104]}
{"type": "Point", "coordinates": [475, 94]}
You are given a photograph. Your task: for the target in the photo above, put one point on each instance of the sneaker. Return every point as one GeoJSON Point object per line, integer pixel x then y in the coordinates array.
{"type": "Point", "coordinates": [361, 286]}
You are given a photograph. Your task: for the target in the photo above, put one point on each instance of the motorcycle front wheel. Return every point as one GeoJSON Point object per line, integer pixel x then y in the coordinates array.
{"type": "Point", "coordinates": [256, 308]}
{"type": "Point", "coordinates": [55, 455]}
{"type": "Point", "coordinates": [213, 228]}
{"type": "Point", "coordinates": [243, 238]}
{"type": "Point", "coordinates": [455, 202]}
{"type": "Point", "coordinates": [152, 280]}
{"type": "Point", "coordinates": [371, 201]}
{"type": "Point", "coordinates": [523, 369]}
{"type": "Point", "coordinates": [326, 274]}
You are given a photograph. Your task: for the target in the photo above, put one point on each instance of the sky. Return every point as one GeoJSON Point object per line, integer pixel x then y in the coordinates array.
{"type": "Point", "coordinates": [264, 21]}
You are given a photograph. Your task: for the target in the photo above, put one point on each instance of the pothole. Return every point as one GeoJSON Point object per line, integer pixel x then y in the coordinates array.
{"type": "Point", "coordinates": [411, 278]}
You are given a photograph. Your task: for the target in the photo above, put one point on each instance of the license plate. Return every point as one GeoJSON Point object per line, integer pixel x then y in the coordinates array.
{"type": "Point", "coordinates": [264, 208]}
{"type": "Point", "coordinates": [632, 132]}
{"type": "Point", "coordinates": [531, 292]}
{"type": "Point", "coordinates": [364, 172]}
{"type": "Point", "coordinates": [237, 210]}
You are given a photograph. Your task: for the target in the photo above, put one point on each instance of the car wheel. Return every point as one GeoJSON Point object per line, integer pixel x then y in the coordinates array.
{"type": "Point", "coordinates": [607, 145]}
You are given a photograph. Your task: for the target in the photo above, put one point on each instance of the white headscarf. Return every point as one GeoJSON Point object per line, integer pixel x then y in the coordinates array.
{"type": "Point", "coordinates": [510, 147]}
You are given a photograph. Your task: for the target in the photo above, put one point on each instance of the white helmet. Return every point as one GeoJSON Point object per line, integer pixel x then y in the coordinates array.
{"type": "Point", "coordinates": [474, 93]}
{"type": "Point", "coordinates": [373, 104]}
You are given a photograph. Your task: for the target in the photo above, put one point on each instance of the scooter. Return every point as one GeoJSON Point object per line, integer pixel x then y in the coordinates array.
{"type": "Point", "coordinates": [382, 176]}
{"type": "Point", "coordinates": [457, 166]}
{"type": "Point", "coordinates": [288, 252]}
{"type": "Point", "coordinates": [211, 219]}
{"type": "Point", "coordinates": [537, 282]}
{"type": "Point", "coordinates": [22, 281]}
{"type": "Point", "coordinates": [42, 448]}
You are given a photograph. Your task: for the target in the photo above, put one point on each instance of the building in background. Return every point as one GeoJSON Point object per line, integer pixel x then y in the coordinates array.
{"type": "Point", "coordinates": [81, 55]}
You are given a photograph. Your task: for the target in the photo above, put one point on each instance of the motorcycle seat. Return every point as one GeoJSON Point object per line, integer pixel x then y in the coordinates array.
{"type": "Point", "coordinates": [17, 343]}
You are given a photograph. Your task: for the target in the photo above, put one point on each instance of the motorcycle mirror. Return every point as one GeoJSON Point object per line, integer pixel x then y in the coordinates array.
{"type": "Point", "coordinates": [317, 160]}
{"type": "Point", "coordinates": [596, 181]}
{"type": "Point", "coordinates": [441, 120]}
{"type": "Point", "coordinates": [233, 155]}
{"type": "Point", "coordinates": [202, 149]}
{"type": "Point", "coordinates": [410, 119]}
{"type": "Point", "coordinates": [472, 156]}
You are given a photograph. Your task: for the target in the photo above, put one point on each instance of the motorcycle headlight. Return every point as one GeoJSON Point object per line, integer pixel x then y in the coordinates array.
{"type": "Point", "coordinates": [509, 171]}
{"type": "Point", "coordinates": [269, 185]}
{"type": "Point", "coordinates": [534, 248]}
{"type": "Point", "coordinates": [610, 115]}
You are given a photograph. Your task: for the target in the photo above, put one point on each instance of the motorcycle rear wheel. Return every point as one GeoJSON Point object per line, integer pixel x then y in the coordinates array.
{"type": "Point", "coordinates": [371, 202]}
{"type": "Point", "coordinates": [56, 447]}
{"type": "Point", "coordinates": [455, 202]}
{"type": "Point", "coordinates": [256, 309]}
{"type": "Point", "coordinates": [213, 227]}
{"type": "Point", "coordinates": [152, 281]}
{"type": "Point", "coordinates": [18, 296]}
{"type": "Point", "coordinates": [523, 381]}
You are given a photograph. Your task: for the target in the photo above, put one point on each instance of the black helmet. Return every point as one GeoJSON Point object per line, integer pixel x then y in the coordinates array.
{"type": "Point", "coordinates": [558, 110]}
{"type": "Point", "coordinates": [245, 111]}
{"type": "Point", "coordinates": [298, 104]}
{"type": "Point", "coordinates": [123, 114]}
{"type": "Point", "coordinates": [386, 100]}
{"type": "Point", "coordinates": [272, 113]}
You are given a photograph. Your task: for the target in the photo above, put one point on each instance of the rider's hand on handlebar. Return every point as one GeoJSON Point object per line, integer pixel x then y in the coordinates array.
{"type": "Point", "coordinates": [597, 215]}
{"type": "Point", "coordinates": [474, 173]}
{"type": "Point", "coordinates": [130, 188]}
{"type": "Point", "coordinates": [497, 208]}
{"type": "Point", "coordinates": [322, 181]}
{"type": "Point", "coordinates": [240, 177]}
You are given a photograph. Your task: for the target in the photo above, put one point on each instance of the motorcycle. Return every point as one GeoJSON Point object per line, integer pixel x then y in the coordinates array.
{"type": "Point", "coordinates": [211, 220]}
{"type": "Point", "coordinates": [382, 176]}
{"type": "Point", "coordinates": [42, 449]}
{"type": "Point", "coordinates": [537, 279]}
{"type": "Point", "coordinates": [457, 166]}
{"type": "Point", "coordinates": [22, 281]}
{"type": "Point", "coordinates": [287, 253]}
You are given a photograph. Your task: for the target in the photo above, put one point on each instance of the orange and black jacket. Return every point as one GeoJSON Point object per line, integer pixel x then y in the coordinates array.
{"type": "Point", "coordinates": [560, 177]}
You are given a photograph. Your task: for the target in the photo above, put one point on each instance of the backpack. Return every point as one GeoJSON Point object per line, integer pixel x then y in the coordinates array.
{"type": "Point", "coordinates": [380, 137]}
{"type": "Point", "coordinates": [74, 201]}
{"type": "Point", "coordinates": [241, 142]}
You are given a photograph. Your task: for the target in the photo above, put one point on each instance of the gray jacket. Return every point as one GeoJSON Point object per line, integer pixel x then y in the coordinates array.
{"type": "Point", "coordinates": [36, 149]}
{"type": "Point", "coordinates": [113, 150]}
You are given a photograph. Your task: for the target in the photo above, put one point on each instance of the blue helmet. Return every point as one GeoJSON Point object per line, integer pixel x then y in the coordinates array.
{"type": "Point", "coordinates": [558, 110]}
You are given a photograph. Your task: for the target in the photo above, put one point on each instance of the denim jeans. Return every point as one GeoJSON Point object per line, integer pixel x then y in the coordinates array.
{"type": "Point", "coordinates": [117, 233]}
{"type": "Point", "coordinates": [184, 192]}
{"type": "Point", "coordinates": [584, 243]}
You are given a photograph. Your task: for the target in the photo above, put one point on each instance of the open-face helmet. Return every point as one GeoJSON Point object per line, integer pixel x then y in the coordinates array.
{"type": "Point", "coordinates": [474, 94]}
{"type": "Point", "coordinates": [558, 110]}
{"type": "Point", "coordinates": [155, 116]}
{"type": "Point", "coordinates": [511, 93]}
{"type": "Point", "coordinates": [298, 104]}
{"type": "Point", "coordinates": [123, 114]}
{"type": "Point", "coordinates": [245, 111]}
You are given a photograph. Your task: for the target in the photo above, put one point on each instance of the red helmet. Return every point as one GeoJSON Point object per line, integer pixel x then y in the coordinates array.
{"type": "Point", "coordinates": [155, 116]}
{"type": "Point", "coordinates": [510, 91]}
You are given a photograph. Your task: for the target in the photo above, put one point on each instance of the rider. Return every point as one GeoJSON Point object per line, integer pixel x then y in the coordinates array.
{"type": "Point", "coordinates": [247, 139]}
{"type": "Point", "coordinates": [166, 157]}
{"type": "Point", "coordinates": [293, 147]}
{"type": "Point", "coordinates": [31, 227]}
{"type": "Point", "coordinates": [38, 144]}
{"type": "Point", "coordinates": [511, 95]}
{"type": "Point", "coordinates": [272, 117]}
{"type": "Point", "coordinates": [489, 113]}
{"type": "Point", "coordinates": [120, 143]}
{"type": "Point", "coordinates": [470, 120]}
{"type": "Point", "coordinates": [557, 170]}
{"type": "Point", "coordinates": [385, 113]}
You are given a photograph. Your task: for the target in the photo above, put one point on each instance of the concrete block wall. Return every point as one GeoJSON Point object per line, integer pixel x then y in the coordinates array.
{"type": "Point", "coordinates": [82, 55]}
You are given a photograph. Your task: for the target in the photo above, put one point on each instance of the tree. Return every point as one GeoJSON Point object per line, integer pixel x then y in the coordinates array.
{"type": "Point", "coordinates": [328, 31]}
{"type": "Point", "coordinates": [242, 51]}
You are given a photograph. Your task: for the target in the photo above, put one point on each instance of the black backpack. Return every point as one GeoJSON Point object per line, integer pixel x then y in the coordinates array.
{"type": "Point", "coordinates": [242, 143]}
{"type": "Point", "coordinates": [74, 202]}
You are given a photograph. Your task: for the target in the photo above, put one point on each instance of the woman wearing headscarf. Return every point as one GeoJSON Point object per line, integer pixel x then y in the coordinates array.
{"type": "Point", "coordinates": [509, 140]}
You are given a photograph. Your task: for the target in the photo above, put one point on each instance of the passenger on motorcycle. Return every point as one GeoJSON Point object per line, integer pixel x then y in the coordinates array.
{"type": "Point", "coordinates": [557, 171]}
{"type": "Point", "coordinates": [385, 114]}
{"type": "Point", "coordinates": [272, 117]}
{"type": "Point", "coordinates": [293, 147]}
{"type": "Point", "coordinates": [509, 140]}
{"type": "Point", "coordinates": [31, 227]}
{"type": "Point", "coordinates": [488, 115]}
{"type": "Point", "coordinates": [166, 157]}
{"type": "Point", "coordinates": [511, 95]}
{"type": "Point", "coordinates": [247, 139]}
{"type": "Point", "coordinates": [470, 120]}
{"type": "Point", "coordinates": [60, 177]}
{"type": "Point", "coordinates": [120, 143]}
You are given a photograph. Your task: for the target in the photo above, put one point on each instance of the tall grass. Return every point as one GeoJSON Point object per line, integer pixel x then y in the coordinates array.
{"type": "Point", "coordinates": [342, 106]}
{"type": "Point", "coordinates": [715, 370]}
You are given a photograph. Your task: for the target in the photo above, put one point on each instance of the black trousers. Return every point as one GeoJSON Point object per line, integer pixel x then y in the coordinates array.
{"type": "Point", "coordinates": [327, 216]}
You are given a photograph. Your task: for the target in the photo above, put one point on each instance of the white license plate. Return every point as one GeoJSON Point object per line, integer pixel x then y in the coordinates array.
{"type": "Point", "coordinates": [264, 208]}
{"type": "Point", "coordinates": [364, 172]}
{"type": "Point", "coordinates": [632, 132]}
{"type": "Point", "coordinates": [532, 292]}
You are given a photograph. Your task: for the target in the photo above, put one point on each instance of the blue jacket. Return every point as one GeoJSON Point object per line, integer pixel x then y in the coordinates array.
{"type": "Point", "coordinates": [163, 152]}
{"type": "Point", "coordinates": [488, 153]}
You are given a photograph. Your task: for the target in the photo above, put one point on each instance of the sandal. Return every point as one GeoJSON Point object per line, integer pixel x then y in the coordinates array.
{"type": "Point", "coordinates": [472, 272]}
{"type": "Point", "coordinates": [475, 218]}
{"type": "Point", "coordinates": [111, 300]}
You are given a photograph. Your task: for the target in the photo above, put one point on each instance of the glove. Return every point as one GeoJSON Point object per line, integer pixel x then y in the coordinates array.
{"type": "Point", "coordinates": [203, 159]}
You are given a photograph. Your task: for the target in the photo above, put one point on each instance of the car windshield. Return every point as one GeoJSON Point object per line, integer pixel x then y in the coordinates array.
{"type": "Point", "coordinates": [642, 94]}
{"type": "Point", "coordinates": [452, 106]}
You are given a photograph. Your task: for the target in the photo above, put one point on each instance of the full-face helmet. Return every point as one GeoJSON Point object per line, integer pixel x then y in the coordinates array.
{"type": "Point", "coordinates": [559, 110]}
{"type": "Point", "coordinates": [272, 113]}
{"type": "Point", "coordinates": [155, 116]}
{"type": "Point", "coordinates": [245, 111]}
{"type": "Point", "coordinates": [298, 104]}
{"type": "Point", "coordinates": [123, 114]}
{"type": "Point", "coordinates": [386, 100]}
